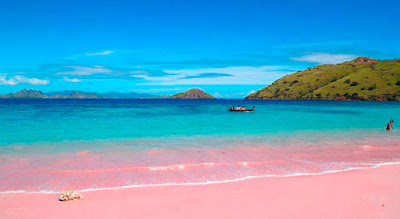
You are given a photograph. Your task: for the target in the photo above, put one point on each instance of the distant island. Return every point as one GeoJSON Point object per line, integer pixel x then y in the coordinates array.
{"type": "Point", "coordinates": [360, 79]}
{"type": "Point", "coordinates": [71, 94]}
{"type": "Point", "coordinates": [192, 94]}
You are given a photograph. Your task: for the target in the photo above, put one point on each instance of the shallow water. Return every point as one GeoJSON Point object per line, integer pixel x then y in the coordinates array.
{"type": "Point", "coordinates": [51, 145]}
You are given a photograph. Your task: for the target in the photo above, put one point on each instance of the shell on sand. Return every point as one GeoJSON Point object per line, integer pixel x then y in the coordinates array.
{"type": "Point", "coordinates": [68, 195]}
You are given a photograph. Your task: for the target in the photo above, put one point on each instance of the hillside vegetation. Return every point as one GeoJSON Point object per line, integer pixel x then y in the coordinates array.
{"type": "Point", "coordinates": [360, 79]}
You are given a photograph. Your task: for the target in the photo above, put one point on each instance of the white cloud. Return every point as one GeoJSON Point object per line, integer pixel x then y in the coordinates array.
{"type": "Point", "coordinates": [12, 81]}
{"type": "Point", "coordinates": [325, 58]}
{"type": "Point", "coordinates": [34, 81]}
{"type": "Point", "coordinates": [251, 92]}
{"type": "Point", "coordinates": [73, 80]}
{"type": "Point", "coordinates": [248, 70]}
{"type": "Point", "coordinates": [139, 72]}
{"type": "Point", "coordinates": [237, 75]}
{"type": "Point", "coordinates": [85, 70]}
{"type": "Point", "coordinates": [4, 81]}
{"type": "Point", "coordinates": [103, 53]}
{"type": "Point", "coordinates": [217, 95]}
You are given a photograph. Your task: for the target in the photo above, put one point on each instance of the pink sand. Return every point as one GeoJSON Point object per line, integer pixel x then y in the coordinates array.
{"type": "Point", "coordinates": [367, 193]}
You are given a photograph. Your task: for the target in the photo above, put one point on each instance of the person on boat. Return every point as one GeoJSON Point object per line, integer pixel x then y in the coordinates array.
{"type": "Point", "coordinates": [389, 126]}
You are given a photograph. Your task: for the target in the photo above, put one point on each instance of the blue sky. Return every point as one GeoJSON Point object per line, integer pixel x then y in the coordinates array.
{"type": "Point", "coordinates": [227, 48]}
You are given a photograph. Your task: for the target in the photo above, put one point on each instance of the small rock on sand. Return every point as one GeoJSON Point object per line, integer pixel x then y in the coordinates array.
{"type": "Point", "coordinates": [69, 195]}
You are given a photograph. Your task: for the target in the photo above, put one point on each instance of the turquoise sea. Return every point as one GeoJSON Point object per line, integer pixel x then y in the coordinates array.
{"type": "Point", "coordinates": [50, 145]}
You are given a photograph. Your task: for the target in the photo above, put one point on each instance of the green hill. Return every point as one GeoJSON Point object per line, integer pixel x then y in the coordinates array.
{"type": "Point", "coordinates": [29, 94]}
{"type": "Point", "coordinates": [360, 79]}
{"type": "Point", "coordinates": [193, 94]}
{"type": "Point", "coordinates": [33, 94]}
{"type": "Point", "coordinates": [72, 94]}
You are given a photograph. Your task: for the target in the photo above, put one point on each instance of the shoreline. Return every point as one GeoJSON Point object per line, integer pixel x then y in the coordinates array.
{"type": "Point", "coordinates": [362, 193]}
{"type": "Point", "coordinates": [209, 182]}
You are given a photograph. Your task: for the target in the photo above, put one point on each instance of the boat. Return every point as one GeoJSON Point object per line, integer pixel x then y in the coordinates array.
{"type": "Point", "coordinates": [233, 109]}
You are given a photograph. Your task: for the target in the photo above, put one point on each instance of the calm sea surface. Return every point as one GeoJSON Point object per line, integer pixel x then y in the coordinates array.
{"type": "Point", "coordinates": [51, 145]}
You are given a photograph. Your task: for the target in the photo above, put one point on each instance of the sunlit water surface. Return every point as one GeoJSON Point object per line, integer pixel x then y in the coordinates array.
{"type": "Point", "coordinates": [51, 145]}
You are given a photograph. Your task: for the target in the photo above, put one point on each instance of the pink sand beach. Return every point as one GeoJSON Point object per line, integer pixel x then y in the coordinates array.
{"type": "Point", "coordinates": [363, 193]}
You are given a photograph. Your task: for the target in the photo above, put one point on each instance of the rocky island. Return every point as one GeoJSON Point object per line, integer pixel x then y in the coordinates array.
{"type": "Point", "coordinates": [192, 94]}
{"type": "Point", "coordinates": [34, 94]}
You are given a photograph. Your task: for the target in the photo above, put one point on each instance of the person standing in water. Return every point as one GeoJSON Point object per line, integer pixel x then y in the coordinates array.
{"type": "Point", "coordinates": [389, 126]}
